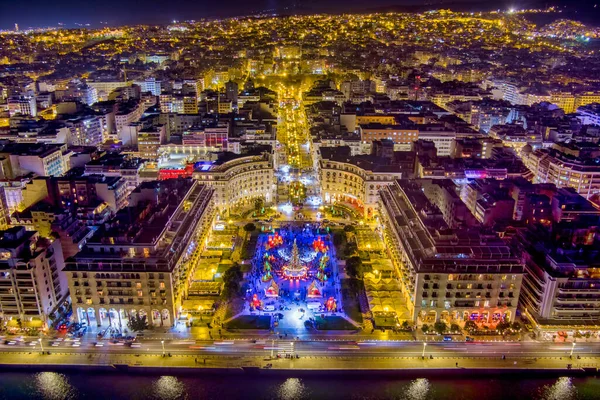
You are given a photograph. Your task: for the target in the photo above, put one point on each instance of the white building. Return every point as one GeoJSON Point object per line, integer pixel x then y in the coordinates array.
{"type": "Point", "coordinates": [41, 159]}
{"type": "Point", "coordinates": [150, 85]}
{"type": "Point", "coordinates": [128, 112]}
{"type": "Point", "coordinates": [23, 105]}
{"type": "Point", "coordinates": [32, 283]}
{"type": "Point", "coordinates": [589, 114]}
{"type": "Point", "coordinates": [443, 140]}
{"type": "Point", "coordinates": [240, 181]}
{"type": "Point", "coordinates": [85, 131]}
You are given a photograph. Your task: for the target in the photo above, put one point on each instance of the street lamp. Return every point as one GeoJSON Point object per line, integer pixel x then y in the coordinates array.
{"type": "Point", "coordinates": [424, 345]}
{"type": "Point", "coordinates": [572, 348]}
{"type": "Point", "coordinates": [163, 346]}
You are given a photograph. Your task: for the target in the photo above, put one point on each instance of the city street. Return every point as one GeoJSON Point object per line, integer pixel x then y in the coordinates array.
{"type": "Point", "coordinates": [265, 347]}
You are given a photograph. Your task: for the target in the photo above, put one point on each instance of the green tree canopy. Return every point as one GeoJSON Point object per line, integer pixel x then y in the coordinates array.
{"type": "Point", "coordinates": [232, 281]}
{"type": "Point", "coordinates": [440, 327]}
{"type": "Point", "coordinates": [354, 267]}
{"type": "Point", "coordinates": [470, 326]}
{"type": "Point", "coordinates": [503, 326]}
{"type": "Point", "coordinates": [137, 323]}
{"type": "Point", "coordinates": [259, 203]}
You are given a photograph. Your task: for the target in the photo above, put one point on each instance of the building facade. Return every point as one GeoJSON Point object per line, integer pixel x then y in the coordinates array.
{"type": "Point", "coordinates": [143, 266]}
{"type": "Point", "coordinates": [240, 180]}
{"type": "Point", "coordinates": [32, 284]}
{"type": "Point", "coordinates": [449, 275]}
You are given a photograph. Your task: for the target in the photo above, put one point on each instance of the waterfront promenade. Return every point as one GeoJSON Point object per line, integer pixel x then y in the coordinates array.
{"type": "Point", "coordinates": [336, 360]}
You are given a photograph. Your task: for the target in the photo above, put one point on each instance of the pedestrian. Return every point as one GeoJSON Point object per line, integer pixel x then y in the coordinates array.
{"type": "Point", "coordinates": [195, 360]}
{"type": "Point", "coordinates": [457, 364]}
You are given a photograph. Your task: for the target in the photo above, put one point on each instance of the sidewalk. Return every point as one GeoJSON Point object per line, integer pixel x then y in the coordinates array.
{"type": "Point", "coordinates": [331, 362]}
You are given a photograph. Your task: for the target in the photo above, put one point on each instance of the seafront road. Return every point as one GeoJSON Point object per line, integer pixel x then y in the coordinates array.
{"type": "Point", "coordinates": [312, 354]}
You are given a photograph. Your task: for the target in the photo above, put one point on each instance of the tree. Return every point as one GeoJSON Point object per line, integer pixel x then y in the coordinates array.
{"type": "Point", "coordinates": [440, 327]}
{"type": "Point", "coordinates": [502, 327]}
{"type": "Point", "coordinates": [425, 328]}
{"type": "Point", "coordinates": [351, 248]}
{"type": "Point", "coordinates": [354, 267]}
{"type": "Point", "coordinates": [249, 227]}
{"type": "Point", "coordinates": [454, 328]}
{"type": "Point", "coordinates": [338, 238]}
{"type": "Point", "coordinates": [137, 323]}
{"type": "Point", "coordinates": [349, 228]}
{"type": "Point", "coordinates": [259, 203]}
{"type": "Point", "coordinates": [516, 326]}
{"type": "Point", "coordinates": [470, 326]}
{"type": "Point", "coordinates": [232, 281]}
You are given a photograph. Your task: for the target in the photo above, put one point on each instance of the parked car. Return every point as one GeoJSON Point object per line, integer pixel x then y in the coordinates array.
{"type": "Point", "coordinates": [447, 338]}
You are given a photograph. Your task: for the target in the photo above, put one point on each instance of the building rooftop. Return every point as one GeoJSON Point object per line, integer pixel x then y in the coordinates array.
{"type": "Point", "coordinates": [30, 149]}
{"type": "Point", "coordinates": [433, 246]}
{"type": "Point", "coordinates": [117, 160]}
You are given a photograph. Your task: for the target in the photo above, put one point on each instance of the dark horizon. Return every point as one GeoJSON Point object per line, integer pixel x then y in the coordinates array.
{"type": "Point", "coordinates": [129, 12]}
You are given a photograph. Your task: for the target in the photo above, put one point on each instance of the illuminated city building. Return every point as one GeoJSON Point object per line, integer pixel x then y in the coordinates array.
{"type": "Point", "coordinates": [356, 180]}
{"type": "Point", "coordinates": [450, 275]}
{"type": "Point", "coordinates": [42, 159]}
{"type": "Point", "coordinates": [143, 264]}
{"type": "Point", "coordinates": [127, 113]}
{"type": "Point", "coordinates": [85, 131]}
{"type": "Point", "coordinates": [32, 282]}
{"type": "Point", "coordinates": [563, 170]}
{"type": "Point", "coordinates": [22, 105]}
{"type": "Point", "coordinates": [239, 180]}
{"type": "Point", "coordinates": [560, 289]}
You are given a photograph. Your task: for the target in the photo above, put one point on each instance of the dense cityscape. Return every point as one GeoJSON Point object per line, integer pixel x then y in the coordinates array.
{"type": "Point", "coordinates": [314, 192]}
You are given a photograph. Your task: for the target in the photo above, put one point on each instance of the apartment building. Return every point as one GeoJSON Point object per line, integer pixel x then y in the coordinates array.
{"type": "Point", "coordinates": [141, 262]}
{"type": "Point", "coordinates": [127, 113]}
{"type": "Point", "coordinates": [560, 290]}
{"type": "Point", "coordinates": [239, 179]}
{"type": "Point", "coordinates": [22, 105]}
{"type": "Point", "coordinates": [86, 131]}
{"type": "Point", "coordinates": [563, 170]}
{"type": "Point", "coordinates": [356, 180]}
{"type": "Point", "coordinates": [450, 275]}
{"type": "Point", "coordinates": [399, 134]}
{"type": "Point", "coordinates": [32, 284]}
{"type": "Point", "coordinates": [41, 159]}
{"type": "Point", "coordinates": [117, 165]}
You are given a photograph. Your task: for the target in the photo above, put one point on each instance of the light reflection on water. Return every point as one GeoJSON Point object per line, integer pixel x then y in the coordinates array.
{"type": "Point", "coordinates": [51, 386]}
{"type": "Point", "coordinates": [292, 389]}
{"type": "Point", "coordinates": [562, 389]}
{"type": "Point", "coordinates": [418, 389]}
{"type": "Point", "coordinates": [169, 388]}
{"type": "Point", "coordinates": [90, 386]}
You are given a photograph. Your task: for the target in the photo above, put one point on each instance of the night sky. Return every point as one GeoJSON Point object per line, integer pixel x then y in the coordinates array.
{"type": "Point", "coordinates": [40, 13]}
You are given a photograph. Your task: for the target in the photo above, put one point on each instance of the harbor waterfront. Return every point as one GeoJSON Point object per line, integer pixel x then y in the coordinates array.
{"type": "Point", "coordinates": [76, 385]}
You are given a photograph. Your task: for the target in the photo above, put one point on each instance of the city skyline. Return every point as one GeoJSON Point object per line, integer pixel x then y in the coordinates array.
{"type": "Point", "coordinates": [160, 12]}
